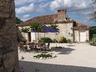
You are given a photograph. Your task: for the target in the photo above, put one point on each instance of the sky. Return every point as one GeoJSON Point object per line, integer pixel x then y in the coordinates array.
{"type": "Point", "coordinates": [78, 10]}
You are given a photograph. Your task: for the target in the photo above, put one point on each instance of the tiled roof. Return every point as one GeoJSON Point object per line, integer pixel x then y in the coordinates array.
{"type": "Point", "coordinates": [81, 27]}
{"type": "Point", "coordinates": [43, 19]}
{"type": "Point", "coordinates": [47, 19]}
{"type": "Point", "coordinates": [53, 19]}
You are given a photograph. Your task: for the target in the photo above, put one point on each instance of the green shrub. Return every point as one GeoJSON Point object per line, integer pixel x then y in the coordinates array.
{"type": "Point", "coordinates": [43, 55]}
{"type": "Point", "coordinates": [45, 40]}
{"type": "Point", "coordinates": [63, 40]}
{"type": "Point", "coordinates": [69, 41]}
{"type": "Point", "coordinates": [93, 41]}
{"type": "Point", "coordinates": [55, 41]}
{"type": "Point", "coordinates": [25, 30]}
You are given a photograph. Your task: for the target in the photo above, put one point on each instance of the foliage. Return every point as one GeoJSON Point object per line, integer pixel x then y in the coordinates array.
{"type": "Point", "coordinates": [36, 27]}
{"type": "Point", "coordinates": [54, 26]}
{"type": "Point", "coordinates": [63, 40]}
{"type": "Point", "coordinates": [93, 29]}
{"type": "Point", "coordinates": [20, 37]}
{"type": "Point", "coordinates": [69, 41]}
{"type": "Point", "coordinates": [92, 32]}
{"type": "Point", "coordinates": [18, 21]}
{"type": "Point", "coordinates": [44, 55]}
{"type": "Point", "coordinates": [25, 30]}
{"type": "Point", "coordinates": [45, 40]}
{"type": "Point", "coordinates": [94, 12]}
{"type": "Point", "coordinates": [55, 41]}
{"type": "Point", "coordinates": [93, 41]}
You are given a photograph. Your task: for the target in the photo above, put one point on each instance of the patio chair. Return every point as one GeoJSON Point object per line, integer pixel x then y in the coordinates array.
{"type": "Point", "coordinates": [47, 45]}
{"type": "Point", "coordinates": [32, 46]}
{"type": "Point", "coordinates": [39, 46]}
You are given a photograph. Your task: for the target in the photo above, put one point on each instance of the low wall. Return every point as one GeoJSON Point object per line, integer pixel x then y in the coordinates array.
{"type": "Point", "coordinates": [60, 45]}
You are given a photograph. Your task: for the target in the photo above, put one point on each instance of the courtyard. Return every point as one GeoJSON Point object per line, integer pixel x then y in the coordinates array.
{"type": "Point", "coordinates": [75, 57]}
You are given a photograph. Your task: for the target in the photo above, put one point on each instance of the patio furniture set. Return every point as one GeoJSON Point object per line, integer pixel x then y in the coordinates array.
{"type": "Point", "coordinates": [34, 46]}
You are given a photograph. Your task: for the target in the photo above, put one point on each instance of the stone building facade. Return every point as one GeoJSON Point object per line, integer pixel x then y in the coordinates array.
{"type": "Point", "coordinates": [8, 37]}
{"type": "Point", "coordinates": [68, 28]}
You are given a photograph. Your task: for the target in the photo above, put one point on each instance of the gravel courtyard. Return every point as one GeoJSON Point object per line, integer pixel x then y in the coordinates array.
{"type": "Point", "coordinates": [71, 58]}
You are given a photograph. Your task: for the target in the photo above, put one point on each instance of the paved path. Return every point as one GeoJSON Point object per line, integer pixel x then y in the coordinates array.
{"type": "Point", "coordinates": [72, 58]}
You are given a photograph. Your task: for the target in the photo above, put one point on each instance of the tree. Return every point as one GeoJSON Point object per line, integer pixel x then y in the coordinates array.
{"type": "Point", "coordinates": [94, 12]}
{"type": "Point", "coordinates": [54, 27]}
{"type": "Point", "coordinates": [18, 21]}
{"type": "Point", "coordinates": [92, 32]}
{"type": "Point", "coordinates": [36, 27]}
{"type": "Point", "coordinates": [25, 30]}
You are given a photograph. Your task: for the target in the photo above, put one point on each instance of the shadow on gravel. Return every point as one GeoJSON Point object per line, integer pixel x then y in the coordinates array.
{"type": "Point", "coordinates": [63, 50]}
{"type": "Point", "coordinates": [41, 67]}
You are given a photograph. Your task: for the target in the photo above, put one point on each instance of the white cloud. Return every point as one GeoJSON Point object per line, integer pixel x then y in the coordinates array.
{"type": "Point", "coordinates": [79, 4]}
{"type": "Point", "coordinates": [67, 3]}
{"type": "Point", "coordinates": [56, 4]}
{"type": "Point", "coordinates": [26, 7]}
{"type": "Point", "coordinates": [24, 17]}
{"type": "Point", "coordinates": [23, 2]}
{"type": "Point", "coordinates": [82, 3]}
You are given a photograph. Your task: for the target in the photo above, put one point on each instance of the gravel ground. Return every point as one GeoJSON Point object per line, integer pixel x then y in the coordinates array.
{"type": "Point", "coordinates": [71, 58]}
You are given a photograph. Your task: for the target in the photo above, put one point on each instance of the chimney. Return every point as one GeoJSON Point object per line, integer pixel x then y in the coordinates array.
{"type": "Point", "coordinates": [61, 15]}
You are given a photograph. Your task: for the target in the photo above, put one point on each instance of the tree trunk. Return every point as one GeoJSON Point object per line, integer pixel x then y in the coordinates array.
{"type": "Point", "coordinates": [8, 37]}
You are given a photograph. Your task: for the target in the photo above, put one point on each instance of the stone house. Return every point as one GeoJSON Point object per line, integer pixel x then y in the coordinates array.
{"type": "Point", "coordinates": [68, 28]}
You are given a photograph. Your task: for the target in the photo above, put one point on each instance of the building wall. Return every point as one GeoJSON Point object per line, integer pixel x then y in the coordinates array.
{"type": "Point", "coordinates": [49, 34]}
{"type": "Point", "coordinates": [65, 30]}
{"type": "Point", "coordinates": [87, 33]}
{"type": "Point", "coordinates": [81, 36]}
{"type": "Point", "coordinates": [61, 15]}
{"type": "Point", "coordinates": [25, 35]}
{"type": "Point", "coordinates": [77, 36]}
{"type": "Point", "coordinates": [36, 36]}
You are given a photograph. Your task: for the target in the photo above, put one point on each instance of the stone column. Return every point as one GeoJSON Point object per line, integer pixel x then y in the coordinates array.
{"type": "Point", "coordinates": [8, 37]}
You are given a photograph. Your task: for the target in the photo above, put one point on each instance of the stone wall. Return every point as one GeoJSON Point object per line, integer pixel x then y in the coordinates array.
{"type": "Point", "coordinates": [8, 37]}
{"type": "Point", "coordinates": [65, 30]}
